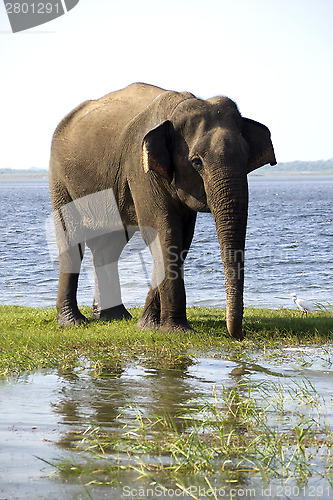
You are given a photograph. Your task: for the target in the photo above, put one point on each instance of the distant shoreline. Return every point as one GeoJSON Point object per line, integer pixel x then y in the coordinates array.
{"type": "Point", "coordinates": [290, 169]}
{"type": "Point", "coordinates": [11, 174]}
{"type": "Point", "coordinates": [301, 168]}
{"type": "Point", "coordinates": [20, 177]}
{"type": "Point", "coordinates": [277, 175]}
{"type": "Point", "coordinates": [285, 173]}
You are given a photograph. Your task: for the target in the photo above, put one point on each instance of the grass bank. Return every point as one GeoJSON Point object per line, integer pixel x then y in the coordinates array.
{"type": "Point", "coordinates": [31, 339]}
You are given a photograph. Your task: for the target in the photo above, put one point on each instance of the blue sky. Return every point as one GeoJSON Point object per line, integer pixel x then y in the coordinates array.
{"type": "Point", "coordinates": [273, 57]}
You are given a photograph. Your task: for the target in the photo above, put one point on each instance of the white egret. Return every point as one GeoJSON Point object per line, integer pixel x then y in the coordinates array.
{"type": "Point", "coordinates": [301, 304]}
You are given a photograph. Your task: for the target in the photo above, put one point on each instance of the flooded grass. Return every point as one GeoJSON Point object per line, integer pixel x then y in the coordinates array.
{"type": "Point", "coordinates": [265, 431]}
{"type": "Point", "coordinates": [32, 340]}
{"type": "Point", "coordinates": [265, 427]}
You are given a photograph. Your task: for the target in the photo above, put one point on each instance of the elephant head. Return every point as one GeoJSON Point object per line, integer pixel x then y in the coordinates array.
{"type": "Point", "coordinates": [205, 149]}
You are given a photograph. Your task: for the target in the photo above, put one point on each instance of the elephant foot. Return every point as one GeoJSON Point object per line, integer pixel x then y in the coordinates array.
{"type": "Point", "coordinates": [150, 319]}
{"type": "Point", "coordinates": [148, 323]}
{"type": "Point", "coordinates": [66, 318]}
{"type": "Point", "coordinates": [234, 327]}
{"type": "Point", "coordinates": [239, 335]}
{"type": "Point", "coordinates": [116, 312]}
{"type": "Point", "coordinates": [152, 323]}
{"type": "Point", "coordinates": [172, 327]}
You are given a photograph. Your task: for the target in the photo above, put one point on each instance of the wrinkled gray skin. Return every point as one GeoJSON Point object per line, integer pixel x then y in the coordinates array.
{"type": "Point", "coordinates": [166, 155]}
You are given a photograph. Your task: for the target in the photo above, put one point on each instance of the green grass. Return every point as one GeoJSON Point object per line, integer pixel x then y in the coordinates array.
{"type": "Point", "coordinates": [31, 339]}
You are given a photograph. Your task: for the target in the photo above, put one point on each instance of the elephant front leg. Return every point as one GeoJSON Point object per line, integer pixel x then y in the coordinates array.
{"type": "Point", "coordinates": [173, 305]}
{"type": "Point", "coordinates": [168, 314]}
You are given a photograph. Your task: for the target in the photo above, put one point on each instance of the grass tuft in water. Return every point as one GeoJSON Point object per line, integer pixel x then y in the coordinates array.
{"type": "Point", "coordinates": [266, 431]}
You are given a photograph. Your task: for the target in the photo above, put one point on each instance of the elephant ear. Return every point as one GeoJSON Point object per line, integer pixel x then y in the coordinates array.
{"type": "Point", "coordinates": [156, 151]}
{"type": "Point", "coordinates": [258, 138]}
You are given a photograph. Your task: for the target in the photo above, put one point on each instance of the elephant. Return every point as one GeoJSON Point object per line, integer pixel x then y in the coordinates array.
{"type": "Point", "coordinates": [149, 159]}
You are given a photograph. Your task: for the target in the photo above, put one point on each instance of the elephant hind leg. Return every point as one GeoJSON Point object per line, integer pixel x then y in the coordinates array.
{"type": "Point", "coordinates": [110, 313]}
{"type": "Point", "coordinates": [71, 246]}
{"type": "Point", "coordinates": [151, 314]}
{"type": "Point", "coordinates": [67, 308]}
{"type": "Point", "coordinates": [106, 250]}
{"type": "Point", "coordinates": [165, 307]}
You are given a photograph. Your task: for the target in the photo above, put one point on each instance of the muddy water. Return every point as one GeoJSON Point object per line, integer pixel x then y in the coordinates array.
{"type": "Point", "coordinates": [38, 410]}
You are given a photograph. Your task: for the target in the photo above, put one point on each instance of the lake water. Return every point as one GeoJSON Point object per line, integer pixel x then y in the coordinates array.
{"type": "Point", "coordinates": [288, 249]}
{"type": "Point", "coordinates": [40, 411]}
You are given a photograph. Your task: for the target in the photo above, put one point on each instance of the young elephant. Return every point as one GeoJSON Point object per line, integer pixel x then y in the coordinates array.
{"type": "Point", "coordinates": [150, 159]}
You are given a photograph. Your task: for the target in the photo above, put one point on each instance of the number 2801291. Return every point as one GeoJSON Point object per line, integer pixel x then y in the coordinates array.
{"type": "Point", "coordinates": [33, 8]}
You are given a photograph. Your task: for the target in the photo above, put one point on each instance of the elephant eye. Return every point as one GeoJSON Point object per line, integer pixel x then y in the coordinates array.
{"type": "Point", "coordinates": [197, 162]}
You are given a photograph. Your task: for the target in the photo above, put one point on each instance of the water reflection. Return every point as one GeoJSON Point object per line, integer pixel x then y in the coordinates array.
{"type": "Point", "coordinates": [85, 399]}
{"type": "Point", "coordinates": [40, 411]}
{"type": "Point", "coordinates": [112, 401]}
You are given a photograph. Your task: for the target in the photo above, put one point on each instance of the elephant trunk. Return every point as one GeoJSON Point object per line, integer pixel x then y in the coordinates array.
{"type": "Point", "coordinates": [228, 202]}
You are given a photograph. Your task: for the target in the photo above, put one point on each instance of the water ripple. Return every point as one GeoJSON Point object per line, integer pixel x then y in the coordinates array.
{"type": "Point", "coordinates": [288, 248]}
